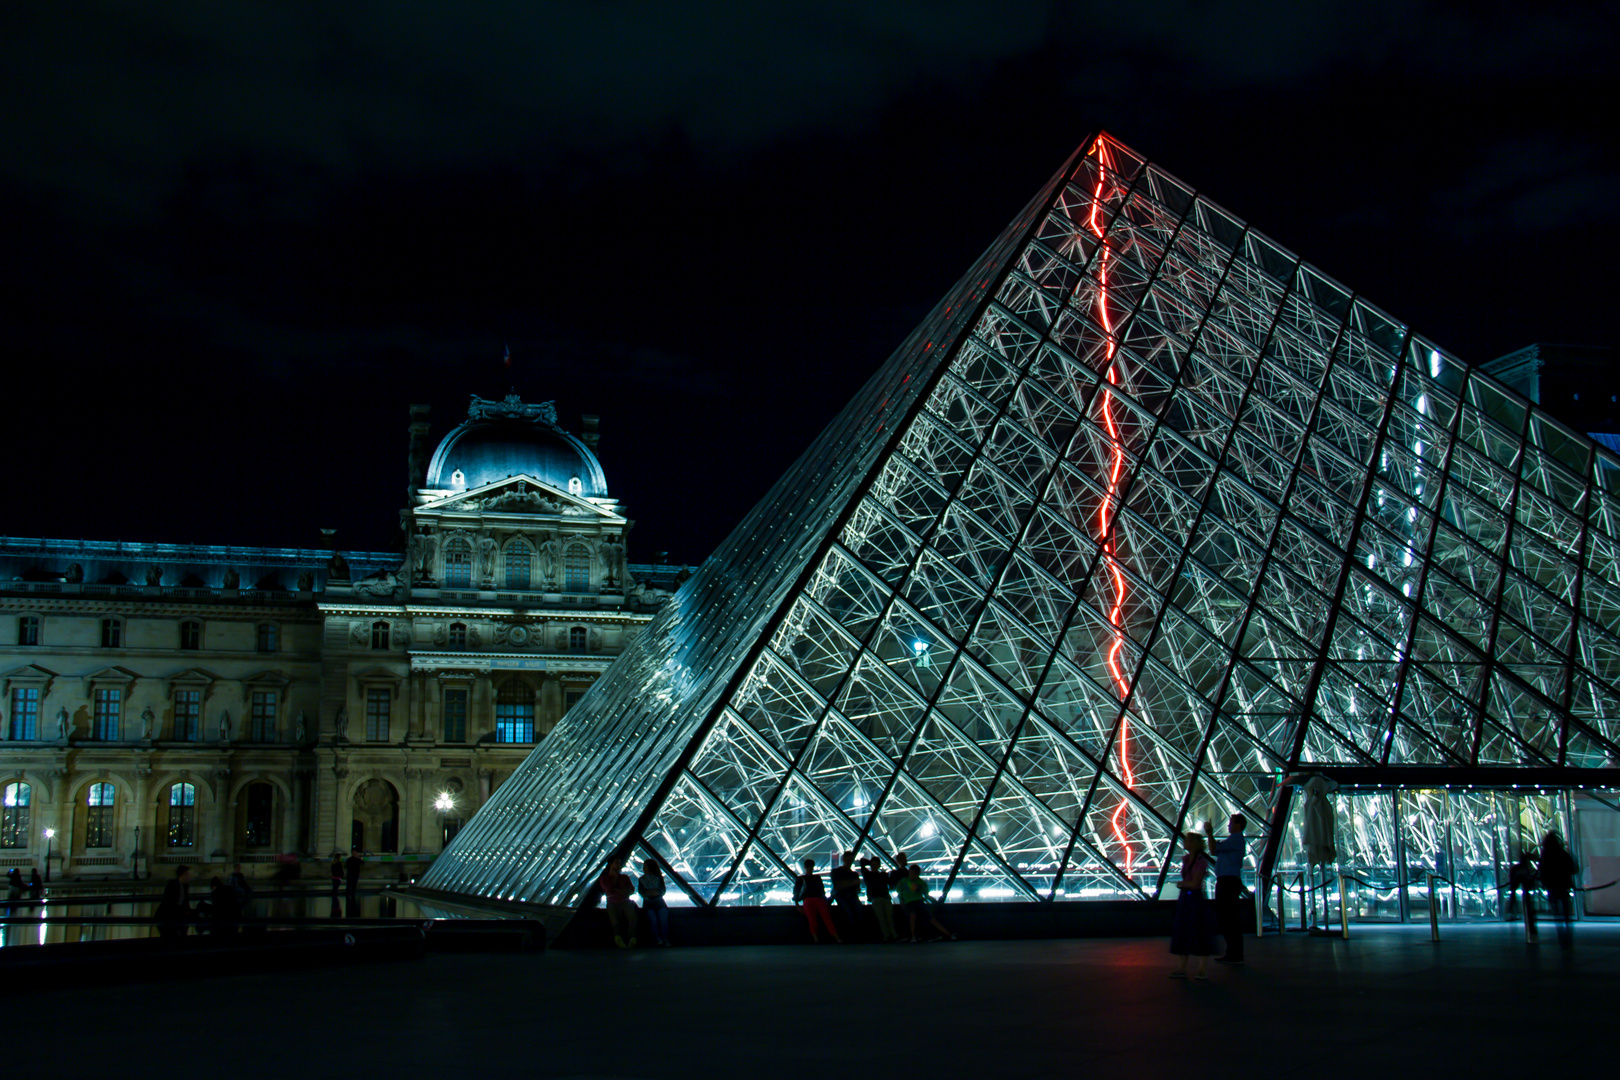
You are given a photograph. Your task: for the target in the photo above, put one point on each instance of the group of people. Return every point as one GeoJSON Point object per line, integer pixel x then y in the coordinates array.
{"type": "Point", "coordinates": [17, 889]}
{"type": "Point", "coordinates": [229, 901]}
{"type": "Point", "coordinates": [905, 880]}
{"type": "Point", "coordinates": [1555, 872]}
{"type": "Point", "coordinates": [623, 915]}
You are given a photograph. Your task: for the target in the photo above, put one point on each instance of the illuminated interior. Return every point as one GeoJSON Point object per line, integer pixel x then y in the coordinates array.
{"type": "Point", "coordinates": [1147, 514]}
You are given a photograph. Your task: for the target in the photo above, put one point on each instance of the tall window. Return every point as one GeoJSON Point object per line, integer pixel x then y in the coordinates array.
{"type": "Point", "coordinates": [109, 709]}
{"type": "Point", "coordinates": [377, 706]}
{"type": "Point", "coordinates": [458, 564]}
{"type": "Point", "coordinates": [266, 636]}
{"type": "Point", "coordinates": [14, 816]}
{"type": "Point", "coordinates": [191, 634]}
{"type": "Point", "coordinates": [112, 634]}
{"type": "Point", "coordinates": [25, 712]}
{"type": "Point", "coordinates": [262, 716]}
{"type": "Point", "coordinates": [261, 801]}
{"type": "Point", "coordinates": [519, 557]}
{"type": "Point", "coordinates": [28, 630]}
{"type": "Point", "coordinates": [379, 635]}
{"type": "Point", "coordinates": [514, 714]}
{"type": "Point", "coordinates": [458, 635]}
{"type": "Point", "coordinates": [188, 715]}
{"type": "Point", "coordinates": [576, 638]}
{"type": "Point", "coordinates": [571, 698]}
{"type": "Point", "coordinates": [455, 716]}
{"type": "Point", "coordinates": [98, 818]}
{"type": "Point", "coordinates": [577, 569]}
{"type": "Point", "coordinates": [182, 815]}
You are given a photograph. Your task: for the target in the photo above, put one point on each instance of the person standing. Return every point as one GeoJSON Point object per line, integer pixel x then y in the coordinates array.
{"type": "Point", "coordinates": [1522, 880]}
{"type": "Point", "coordinates": [1193, 933]}
{"type": "Point", "coordinates": [351, 882]}
{"type": "Point", "coordinates": [1230, 852]}
{"type": "Point", "coordinates": [1557, 871]}
{"type": "Point", "coordinates": [877, 894]}
{"type": "Point", "coordinates": [337, 874]}
{"type": "Point", "coordinates": [846, 887]}
{"type": "Point", "coordinates": [811, 895]}
{"type": "Point", "coordinates": [36, 887]}
{"type": "Point", "coordinates": [174, 910]}
{"type": "Point", "coordinates": [915, 903]}
{"type": "Point", "coordinates": [616, 888]}
{"type": "Point", "coordinates": [651, 886]}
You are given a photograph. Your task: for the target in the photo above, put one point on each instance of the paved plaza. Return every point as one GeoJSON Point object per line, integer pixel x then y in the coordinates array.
{"type": "Point", "coordinates": [1386, 1002]}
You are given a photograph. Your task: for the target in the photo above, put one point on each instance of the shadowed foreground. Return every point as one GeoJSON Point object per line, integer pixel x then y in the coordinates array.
{"type": "Point", "coordinates": [1387, 999]}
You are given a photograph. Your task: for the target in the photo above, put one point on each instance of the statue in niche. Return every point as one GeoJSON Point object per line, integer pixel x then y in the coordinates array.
{"type": "Point", "coordinates": [306, 581]}
{"type": "Point", "coordinates": [548, 562]}
{"type": "Point", "coordinates": [299, 729]}
{"type": "Point", "coordinates": [338, 568]}
{"type": "Point", "coordinates": [340, 722]}
{"type": "Point", "coordinates": [74, 575]}
{"type": "Point", "coordinates": [474, 638]}
{"type": "Point", "coordinates": [154, 575]}
{"type": "Point", "coordinates": [144, 726]}
{"type": "Point", "coordinates": [232, 578]}
{"type": "Point", "coordinates": [225, 726]}
{"type": "Point", "coordinates": [615, 566]}
{"type": "Point", "coordinates": [424, 556]}
{"type": "Point", "coordinates": [61, 725]}
{"type": "Point", "coordinates": [487, 547]}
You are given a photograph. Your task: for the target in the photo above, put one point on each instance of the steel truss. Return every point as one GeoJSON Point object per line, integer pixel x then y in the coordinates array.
{"type": "Point", "coordinates": [1147, 513]}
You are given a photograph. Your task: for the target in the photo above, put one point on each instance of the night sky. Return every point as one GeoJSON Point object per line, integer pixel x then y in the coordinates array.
{"type": "Point", "coordinates": [242, 239]}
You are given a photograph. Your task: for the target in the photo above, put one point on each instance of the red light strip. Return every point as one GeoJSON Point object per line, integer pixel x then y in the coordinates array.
{"type": "Point", "coordinates": [1106, 515]}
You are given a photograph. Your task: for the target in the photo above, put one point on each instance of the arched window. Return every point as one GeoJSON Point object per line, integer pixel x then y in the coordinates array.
{"type": "Point", "coordinates": [99, 800]}
{"type": "Point", "coordinates": [379, 635]}
{"type": "Point", "coordinates": [575, 487]}
{"type": "Point", "coordinates": [260, 801]}
{"type": "Point", "coordinates": [112, 633]}
{"type": "Point", "coordinates": [519, 558]}
{"type": "Point", "coordinates": [191, 634]}
{"type": "Point", "coordinates": [514, 713]}
{"type": "Point", "coordinates": [266, 636]}
{"type": "Point", "coordinates": [458, 635]}
{"type": "Point", "coordinates": [182, 815]}
{"type": "Point", "coordinates": [458, 564]}
{"type": "Point", "coordinates": [14, 815]}
{"type": "Point", "coordinates": [25, 712]}
{"type": "Point", "coordinates": [577, 569]}
{"type": "Point", "coordinates": [262, 716]}
{"type": "Point", "coordinates": [28, 630]}
{"type": "Point", "coordinates": [576, 639]}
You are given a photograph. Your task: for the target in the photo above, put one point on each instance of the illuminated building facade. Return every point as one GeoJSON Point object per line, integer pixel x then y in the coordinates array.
{"type": "Point", "coordinates": [168, 704]}
{"type": "Point", "coordinates": [1146, 516]}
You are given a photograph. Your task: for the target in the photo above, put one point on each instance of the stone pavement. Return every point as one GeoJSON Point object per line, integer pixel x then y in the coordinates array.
{"type": "Point", "coordinates": [1386, 1003]}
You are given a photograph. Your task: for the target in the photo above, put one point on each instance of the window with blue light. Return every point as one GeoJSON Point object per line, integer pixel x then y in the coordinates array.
{"type": "Point", "coordinates": [577, 569]}
{"type": "Point", "coordinates": [109, 710]}
{"type": "Point", "coordinates": [25, 712]}
{"type": "Point", "coordinates": [458, 564]}
{"type": "Point", "coordinates": [182, 831]}
{"type": "Point", "coordinates": [14, 815]}
{"type": "Point", "coordinates": [458, 635]}
{"type": "Point", "coordinates": [265, 635]}
{"type": "Point", "coordinates": [514, 714]}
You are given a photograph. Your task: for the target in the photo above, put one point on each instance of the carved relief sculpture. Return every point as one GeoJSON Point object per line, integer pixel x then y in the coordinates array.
{"type": "Point", "coordinates": [487, 547]}
{"type": "Point", "coordinates": [232, 578]}
{"type": "Point", "coordinates": [154, 575]}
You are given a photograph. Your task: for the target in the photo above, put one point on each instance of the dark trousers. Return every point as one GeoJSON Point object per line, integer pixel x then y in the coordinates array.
{"type": "Point", "coordinates": [1229, 914]}
{"type": "Point", "coordinates": [849, 906]}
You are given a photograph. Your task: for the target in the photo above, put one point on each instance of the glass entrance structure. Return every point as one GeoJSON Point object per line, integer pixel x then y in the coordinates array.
{"type": "Point", "coordinates": [1147, 514]}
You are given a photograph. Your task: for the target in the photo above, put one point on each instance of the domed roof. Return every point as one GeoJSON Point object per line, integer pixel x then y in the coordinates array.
{"type": "Point", "coordinates": [508, 438]}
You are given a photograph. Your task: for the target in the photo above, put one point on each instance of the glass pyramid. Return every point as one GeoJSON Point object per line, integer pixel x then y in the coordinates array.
{"type": "Point", "coordinates": [1146, 513]}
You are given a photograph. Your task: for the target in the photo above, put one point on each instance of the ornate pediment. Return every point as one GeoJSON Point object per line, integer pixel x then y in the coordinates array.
{"type": "Point", "coordinates": [27, 675]}
{"type": "Point", "coordinates": [113, 674]}
{"type": "Point", "coordinates": [517, 495]}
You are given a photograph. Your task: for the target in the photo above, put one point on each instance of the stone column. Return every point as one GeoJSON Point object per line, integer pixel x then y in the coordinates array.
{"type": "Point", "coordinates": [224, 816]}
{"type": "Point", "coordinates": [143, 838]}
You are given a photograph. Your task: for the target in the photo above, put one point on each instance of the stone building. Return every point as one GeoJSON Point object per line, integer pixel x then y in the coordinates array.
{"type": "Point", "coordinates": [212, 705]}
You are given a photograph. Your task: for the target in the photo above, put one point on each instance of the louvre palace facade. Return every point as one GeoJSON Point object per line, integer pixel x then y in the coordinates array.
{"type": "Point", "coordinates": [212, 705]}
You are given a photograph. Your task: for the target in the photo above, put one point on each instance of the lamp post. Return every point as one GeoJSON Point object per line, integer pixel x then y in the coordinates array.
{"type": "Point", "coordinates": [50, 834]}
{"type": "Point", "coordinates": [135, 856]}
{"type": "Point", "coordinates": [444, 804]}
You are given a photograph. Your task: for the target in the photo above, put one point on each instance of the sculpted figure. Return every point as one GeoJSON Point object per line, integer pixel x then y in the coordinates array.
{"type": "Point", "coordinates": [154, 575]}
{"type": "Point", "coordinates": [232, 578]}
{"type": "Point", "coordinates": [548, 561]}
{"type": "Point", "coordinates": [306, 581]}
{"type": "Point", "coordinates": [299, 731]}
{"type": "Point", "coordinates": [486, 557]}
{"type": "Point", "coordinates": [147, 722]}
{"type": "Point", "coordinates": [225, 726]}
{"type": "Point", "coordinates": [75, 573]}
{"type": "Point", "coordinates": [61, 725]}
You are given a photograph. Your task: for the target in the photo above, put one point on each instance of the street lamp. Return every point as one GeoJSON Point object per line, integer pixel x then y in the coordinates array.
{"type": "Point", "coordinates": [50, 834]}
{"type": "Point", "coordinates": [445, 804]}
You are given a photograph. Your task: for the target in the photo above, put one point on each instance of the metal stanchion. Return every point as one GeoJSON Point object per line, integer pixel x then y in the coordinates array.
{"type": "Point", "coordinates": [1259, 898]}
{"type": "Point", "coordinates": [1434, 912]}
{"type": "Point", "coordinates": [1344, 908]}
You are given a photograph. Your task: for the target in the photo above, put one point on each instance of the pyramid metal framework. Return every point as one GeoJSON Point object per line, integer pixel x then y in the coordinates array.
{"type": "Point", "coordinates": [1147, 513]}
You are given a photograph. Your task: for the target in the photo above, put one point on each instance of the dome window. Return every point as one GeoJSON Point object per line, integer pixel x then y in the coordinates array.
{"type": "Point", "coordinates": [458, 480]}
{"type": "Point", "coordinates": [575, 487]}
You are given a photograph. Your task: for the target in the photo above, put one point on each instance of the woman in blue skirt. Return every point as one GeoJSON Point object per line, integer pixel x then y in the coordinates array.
{"type": "Point", "coordinates": [1193, 933]}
